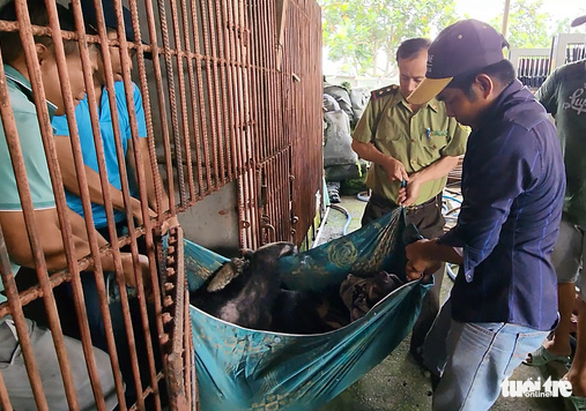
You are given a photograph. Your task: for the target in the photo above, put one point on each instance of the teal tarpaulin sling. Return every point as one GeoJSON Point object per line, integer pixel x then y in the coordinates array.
{"type": "Point", "coordinates": [240, 369]}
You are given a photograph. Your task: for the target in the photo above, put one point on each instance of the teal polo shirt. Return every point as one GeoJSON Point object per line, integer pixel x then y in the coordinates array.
{"type": "Point", "coordinates": [33, 152]}
{"type": "Point", "coordinates": [88, 147]}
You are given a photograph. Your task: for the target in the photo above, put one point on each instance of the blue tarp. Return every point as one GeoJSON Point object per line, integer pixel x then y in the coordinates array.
{"type": "Point", "coordinates": [241, 369]}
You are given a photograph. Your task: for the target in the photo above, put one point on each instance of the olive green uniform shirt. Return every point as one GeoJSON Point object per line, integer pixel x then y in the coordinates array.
{"type": "Point", "coordinates": [415, 139]}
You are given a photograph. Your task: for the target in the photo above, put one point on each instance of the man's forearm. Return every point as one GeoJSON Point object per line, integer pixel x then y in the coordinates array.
{"type": "Point", "coordinates": [436, 170]}
{"type": "Point", "coordinates": [71, 181]}
{"type": "Point", "coordinates": [443, 252]}
{"type": "Point", "coordinates": [369, 152]}
{"type": "Point", "coordinates": [152, 177]}
{"type": "Point", "coordinates": [96, 195]}
{"type": "Point", "coordinates": [106, 259]}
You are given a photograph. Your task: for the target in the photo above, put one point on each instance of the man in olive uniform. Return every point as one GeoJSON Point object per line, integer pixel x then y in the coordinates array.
{"type": "Point", "coordinates": [412, 149]}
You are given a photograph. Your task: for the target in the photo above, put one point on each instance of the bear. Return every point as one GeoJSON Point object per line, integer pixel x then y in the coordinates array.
{"type": "Point", "coordinates": [244, 290]}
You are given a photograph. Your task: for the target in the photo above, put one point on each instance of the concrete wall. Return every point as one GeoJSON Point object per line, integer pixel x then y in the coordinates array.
{"type": "Point", "coordinates": [213, 221]}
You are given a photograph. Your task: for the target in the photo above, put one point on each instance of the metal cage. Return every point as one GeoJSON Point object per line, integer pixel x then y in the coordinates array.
{"type": "Point", "coordinates": [231, 92]}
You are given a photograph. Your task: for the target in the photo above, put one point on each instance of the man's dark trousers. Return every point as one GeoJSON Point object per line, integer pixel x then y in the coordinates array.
{"type": "Point", "coordinates": [428, 219]}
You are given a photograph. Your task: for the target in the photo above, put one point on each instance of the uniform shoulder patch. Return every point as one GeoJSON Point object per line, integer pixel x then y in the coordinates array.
{"type": "Point", "coordinates": [385, 91]}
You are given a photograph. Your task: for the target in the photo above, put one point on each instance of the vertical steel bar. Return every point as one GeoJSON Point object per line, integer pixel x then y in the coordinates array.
{"type": "Point", "coordinates": [83, 185]}
{"type": "Point", "coordinates": [154, 277]}
{"type": "Point", "coordinates": [263, 49]}
{"type": "Point", "coordinates": [213, 45]}
{"type": "Point", "coordinates": [242, 49]}
{"type": "Point", "coordinates": [11, 292]}
{"type": "Point", "coordinates": [22, 331]}
{"type": "Point", "coordinates": [210, 73]}
{"type": "Point", "coordinates": [172, 100]}
{"type": "Point", "coordinates": [255, 135]}
{"type": "Point", "coordinates": [129, 91]}
{"type": "Point", "coordinates": [256, 91]}
{"type": "Point", "coordinates": [252, 194]}
{"type": "Point", "coordinates": [158, 184]}
{"type": "Point", "coordinates": [275, 104]}
{"type": "Point", "coordinates": [10, 289]}
{"type": "Point", "coordinates": [250, 136]}
{"type": "Point", "coordinates": [203, 119]}
{"type": "Point", "coordinates": [233, 85]}
{"type": "Point", "coordinates": [4, 400]}
{"type": "Point", "coordinates": [284, 214]}
{"type": "Point", "coordinates": [241, 123]}
{"type": "Point", "coordinates": [47, 137]}
{"type": "Point", "coordinates": [194, 119]}
{"type": "Point", "coordinates": [221, 61]}
{"type": "Point", "coordinates": [78, 160]}
{"type": "Point", "coordinates": [162, 110]}
{"type": "Point", "coordinates": [241, 35]}
{"type": "Point", "coordinates": [243, 126]}
{"type": "Point", "coordinates": [269, 50]}
{"type": "Point", "coordinates": [103, 36]}
{"type": "Point", "coordinates": [183, 100]}
{"type": "Point", "coordinates": [278, 79]}
{"type": "Point", "coordinates": [272, 193]}
{"type": "Point", "coordinates": [187, 359]}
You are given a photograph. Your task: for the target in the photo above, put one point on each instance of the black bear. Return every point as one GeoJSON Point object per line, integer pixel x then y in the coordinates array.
{"type": "Point", "coordinates": [244, 290]}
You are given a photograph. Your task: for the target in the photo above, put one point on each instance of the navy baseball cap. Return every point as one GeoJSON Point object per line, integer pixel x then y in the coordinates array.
{"type": "Point", "coordinates": [464, 47]}
{"type": "Point", "coordinates": [578, 21]}
{"type": "Point", "coordinates": [110, 20]}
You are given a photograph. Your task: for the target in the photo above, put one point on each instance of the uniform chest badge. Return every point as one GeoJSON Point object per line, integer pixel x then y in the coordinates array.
{"type": "Point", "coordinates": [429, 133]}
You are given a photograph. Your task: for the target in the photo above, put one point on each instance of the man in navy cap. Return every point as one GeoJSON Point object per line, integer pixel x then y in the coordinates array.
{"type": "Point", "coordinates": [563, 95]}
{"type": "Point", "coordinates": [504, 300]}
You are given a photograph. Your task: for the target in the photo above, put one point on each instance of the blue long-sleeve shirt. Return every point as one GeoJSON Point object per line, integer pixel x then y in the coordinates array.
{"type": "Point", "coordinates": [513, 185]}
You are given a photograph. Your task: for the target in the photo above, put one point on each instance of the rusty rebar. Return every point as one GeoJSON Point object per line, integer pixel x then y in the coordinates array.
{"type": "Point", "coordinates": [129, 92]}
{"type": "Point", "coordinates": [105, 52]}
{"type": "Point", "coordinates": [34, 73]}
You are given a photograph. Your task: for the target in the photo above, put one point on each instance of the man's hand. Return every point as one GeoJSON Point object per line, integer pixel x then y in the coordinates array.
{"type": "Point", "coordinates": [409, 193]}
{"type": "Point", "coordinates": [143, 268]}
{"type": "Point", "coordinates": [419, 263]}
{"type": "Point", "coordinates": [395, 169]}
{"type": "Point", "coordinates": [145, 271]}
{"type": "Point", "coordinates": [137, 211]}
{"type": "Point", "coordinates": [167, 224]}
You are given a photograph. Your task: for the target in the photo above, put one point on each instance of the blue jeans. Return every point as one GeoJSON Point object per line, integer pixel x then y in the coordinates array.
{"type": "Point", "coordinates": [473, 359]}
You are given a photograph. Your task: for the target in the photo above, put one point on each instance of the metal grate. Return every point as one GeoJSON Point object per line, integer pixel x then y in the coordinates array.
{"type": "Point", "coordinates": [232, 93]}
{"type": "Point", "coordinates": [575, 52]}
{"type": "Point", "coordinates": [533, 70]}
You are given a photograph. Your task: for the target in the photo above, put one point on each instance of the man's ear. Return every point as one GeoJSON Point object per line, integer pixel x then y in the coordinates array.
{"type": "Point", "coordinates": [43, 52]}
{"type": "Point", "coordinates": [95, 58]}
{"type": "Point", "coordinates": [485, 84]}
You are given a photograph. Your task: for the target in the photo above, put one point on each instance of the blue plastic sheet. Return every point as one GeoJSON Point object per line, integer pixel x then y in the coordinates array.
{"type": "Point", "coordinates": [241, 369]}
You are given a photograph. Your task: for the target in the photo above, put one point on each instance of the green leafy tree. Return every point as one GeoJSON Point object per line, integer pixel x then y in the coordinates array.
{"type": "Point", "coordinates": [364, 34]}
{"type": "Point", "coordinates": [563, 26]}
{"type": "Point", "coordinates": [529, 26]}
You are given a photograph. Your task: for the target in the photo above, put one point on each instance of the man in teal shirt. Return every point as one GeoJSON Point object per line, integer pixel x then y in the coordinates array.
{"type": "Point", "coordinates": [14, 228]}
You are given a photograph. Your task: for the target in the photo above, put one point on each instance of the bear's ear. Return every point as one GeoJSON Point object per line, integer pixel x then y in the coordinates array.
{"type": "Point", "coordinates": [246, 253]}
{"type": "Point", "coordinates": [224, 276]}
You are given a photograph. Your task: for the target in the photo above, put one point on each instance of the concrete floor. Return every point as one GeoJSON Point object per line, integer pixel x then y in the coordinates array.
{"type": "Point", "coordinates": [399, 384]}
